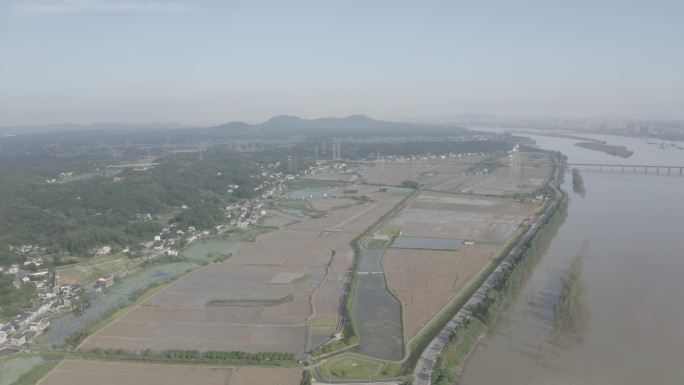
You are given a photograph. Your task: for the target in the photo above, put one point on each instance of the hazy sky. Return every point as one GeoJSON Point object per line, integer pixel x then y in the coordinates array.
{"type": "Point", "coordinates": [202, 62]}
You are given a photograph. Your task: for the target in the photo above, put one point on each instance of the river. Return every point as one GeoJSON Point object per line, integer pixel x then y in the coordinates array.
{"type": "Point", "coordinates": [632, 227]}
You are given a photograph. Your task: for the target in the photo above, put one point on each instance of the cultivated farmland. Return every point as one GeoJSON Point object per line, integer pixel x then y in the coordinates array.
{"type": "Point", "coordinates": [75, 372]}
{"type": "Point", "coordinates": [425, 280]}
{"type": "Point", "coordinates": [247, 303]}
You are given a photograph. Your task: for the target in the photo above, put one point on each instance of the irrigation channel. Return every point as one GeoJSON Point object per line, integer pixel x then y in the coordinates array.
{"type": "Point", "coordinates": [631, 227]}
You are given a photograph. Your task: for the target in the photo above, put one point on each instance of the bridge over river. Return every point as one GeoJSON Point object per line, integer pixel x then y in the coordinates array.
{"type": "Point", "coordinates": [630, 168]}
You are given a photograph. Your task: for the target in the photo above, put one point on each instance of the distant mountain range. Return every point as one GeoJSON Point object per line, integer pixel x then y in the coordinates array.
{"type": "Point", "coordinates": [278, 126]}
{"type": "Point", "coordinates": [349, 126]}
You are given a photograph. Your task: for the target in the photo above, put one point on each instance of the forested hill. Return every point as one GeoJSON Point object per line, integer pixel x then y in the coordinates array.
{"type": "Point", "coordinates": [94, 205]}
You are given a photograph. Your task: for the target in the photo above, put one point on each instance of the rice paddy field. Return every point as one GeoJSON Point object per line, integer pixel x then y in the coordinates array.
{"type": "Point", "coordinates": [123, 293]}
{"type": "Point", "coordinates": [279, 293]}
{"type": "Point", "coordinates": [77, 372]}
{"type": "Point", "coordinates": [425, 279]}
{"type": "Point", "coordinates": [284, 290]}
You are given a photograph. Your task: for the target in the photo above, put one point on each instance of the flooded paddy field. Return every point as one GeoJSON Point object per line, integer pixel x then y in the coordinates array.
{"type": "Point", "coordinates": [426, 243]}
{"type": "Point", "coordinates": [426, 277]}
{"type": "Point", "coordinates": [245, 303]}
{"type": "Point", "coordinates": [468, 225]}
{"type": "Point", "coordinates": [376, 312]}
{"type": "Point", "coordinates": [75, 372]}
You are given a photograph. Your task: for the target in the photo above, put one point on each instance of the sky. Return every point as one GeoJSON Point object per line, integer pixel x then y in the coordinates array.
{"type": "Point", "coordinates": [205, 62]}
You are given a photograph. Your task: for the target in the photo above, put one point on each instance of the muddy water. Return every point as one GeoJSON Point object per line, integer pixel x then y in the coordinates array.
{"type": "Point", "coordinates": [634, 275]}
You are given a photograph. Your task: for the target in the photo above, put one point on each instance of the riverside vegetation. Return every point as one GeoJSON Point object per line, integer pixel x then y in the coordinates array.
{"type": "Point", "coordinates": [609, 149]}
{"type": "Point", "coordinates": [570, 311]}
{"type": "Point", "coordinates": [463, 339]}
{"type": "Point", "coordinates": [578, 183]}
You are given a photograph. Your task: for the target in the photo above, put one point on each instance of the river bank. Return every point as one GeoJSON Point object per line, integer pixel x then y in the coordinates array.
{"type": "Point", "coordinates": [489, 297]}
{"type": "Point", "coordinates": [631, 271]}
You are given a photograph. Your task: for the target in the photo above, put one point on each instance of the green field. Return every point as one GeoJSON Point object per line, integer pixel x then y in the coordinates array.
{"type": "Point", "coordinates": [95, 268]}
{"type": "Point", "coordinates": [350, 366]}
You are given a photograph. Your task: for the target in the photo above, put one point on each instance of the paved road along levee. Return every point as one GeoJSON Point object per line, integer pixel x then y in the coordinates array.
{"type": "Point", "coordinates": [426, 362]}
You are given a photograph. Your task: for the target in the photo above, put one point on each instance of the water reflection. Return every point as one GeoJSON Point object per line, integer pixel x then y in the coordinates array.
{"type": "Point", "coordinates": [632, 271]}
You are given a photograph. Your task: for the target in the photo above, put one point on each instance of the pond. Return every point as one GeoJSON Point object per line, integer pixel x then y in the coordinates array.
{"type": "Point", "coordinates": [376, 312]}
{"type": "Point", "coordinates": [310, 192]}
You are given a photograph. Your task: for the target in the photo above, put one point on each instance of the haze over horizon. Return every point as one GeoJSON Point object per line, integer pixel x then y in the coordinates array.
{"type": "Point", "coordinates": [207, 62]}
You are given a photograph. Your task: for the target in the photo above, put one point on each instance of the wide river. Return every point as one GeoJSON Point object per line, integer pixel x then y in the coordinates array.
{"type": "Point", "coordinates": [630, 231]}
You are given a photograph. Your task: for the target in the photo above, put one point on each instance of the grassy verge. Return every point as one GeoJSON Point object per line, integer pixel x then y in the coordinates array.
{"type": "Point", "coordinates": [351, 367]}
{"type": "Point", "coordinates": [36, 374]}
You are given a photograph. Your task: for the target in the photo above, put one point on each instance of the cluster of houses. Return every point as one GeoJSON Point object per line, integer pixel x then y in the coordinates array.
{"type": "Point", "coordinates": [54, 297]}
{"type": "Point", "coordinates": [62, 177]}
{"type": "Point", "coordinates": [28, 324]}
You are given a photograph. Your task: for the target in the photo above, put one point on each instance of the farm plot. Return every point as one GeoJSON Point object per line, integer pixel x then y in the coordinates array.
{"type": "Point", "coordinates": [527, 177]}
{"type": "Point", "coordinates": [222, 307]}
{"type": "Point", "coordinates": [426, 278]}
{"type": "Point", "coordinates": [259, 299]}
{"type": "Point", "coordinates": [328, 204]}
{"type": "Point", "coordinates": [394, 174]}
{"type": "Point", "coordinates": [86, 273]}
{"type": "Point", "coordinates": [76, 372]}
{"type": "Point", "coordinates": [426, 243]}
{"type": "Point", "coordinates": [455, 224]}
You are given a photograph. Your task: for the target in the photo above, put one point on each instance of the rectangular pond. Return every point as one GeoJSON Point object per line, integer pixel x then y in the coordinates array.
{"type": "Point", "coordinates": [426, 243]}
